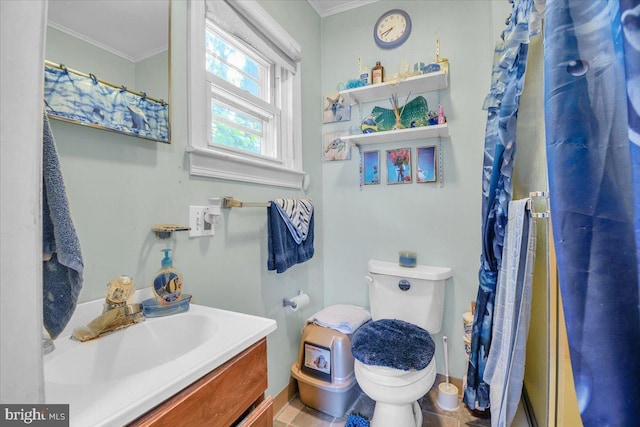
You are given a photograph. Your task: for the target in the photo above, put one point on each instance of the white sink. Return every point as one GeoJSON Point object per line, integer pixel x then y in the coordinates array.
{"type": "Point", "coordinates": [116, 378]}
{"type": "Point", "coordinates": [131, 351]}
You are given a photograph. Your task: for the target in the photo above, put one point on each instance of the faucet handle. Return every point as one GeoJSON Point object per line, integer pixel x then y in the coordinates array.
{"type": "Point", "coordinates": [119, 289]}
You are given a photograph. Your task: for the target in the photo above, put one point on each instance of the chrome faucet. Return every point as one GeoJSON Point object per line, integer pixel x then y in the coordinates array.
{"type": "Point", "coordinates": [117, 313]}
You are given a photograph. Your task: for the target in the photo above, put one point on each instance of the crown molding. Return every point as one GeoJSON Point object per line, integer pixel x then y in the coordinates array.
{"type": "Point", "coordinates": [326, 8]}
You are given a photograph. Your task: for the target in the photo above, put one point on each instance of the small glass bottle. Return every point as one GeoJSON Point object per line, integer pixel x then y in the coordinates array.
{"type": "Point", "coordinates": [441, 119]}
{"type": "Point", "coordinates": [377, 74]}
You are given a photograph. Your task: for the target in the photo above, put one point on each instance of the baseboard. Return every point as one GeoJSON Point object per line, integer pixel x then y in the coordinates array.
{"type": "Point", "coordinates": [285, 395]}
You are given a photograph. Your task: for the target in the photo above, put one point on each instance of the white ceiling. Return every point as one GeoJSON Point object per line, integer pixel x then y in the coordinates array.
{"type": "Point", "coordinates": [132, 29]}
{"type": "Point", "coordinates": [142, 26]}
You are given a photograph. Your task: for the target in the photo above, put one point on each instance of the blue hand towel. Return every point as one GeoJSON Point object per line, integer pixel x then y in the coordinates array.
{"type": "Point", "coordinates": [296, 215]}
{"type": "Point", "coordinates": [63, 265]}
{"type": "Point", "coordinates": [284, 251]}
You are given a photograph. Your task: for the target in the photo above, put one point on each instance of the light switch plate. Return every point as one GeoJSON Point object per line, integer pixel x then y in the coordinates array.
{"type": "Point", "coordinates": [199, 227]}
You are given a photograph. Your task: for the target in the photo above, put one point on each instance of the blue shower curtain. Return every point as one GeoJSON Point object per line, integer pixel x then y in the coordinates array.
{"type": "Point", "coordinates": [630, 11]}
{"type": "Point", "coordinates": [591, 113]}
{"type": "Point", "coordinates": [507, 80]}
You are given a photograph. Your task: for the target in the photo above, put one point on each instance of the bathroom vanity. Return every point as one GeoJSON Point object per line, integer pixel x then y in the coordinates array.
{"type": "Point", "coordinates": [232, 394]}
{"type": "Point", "coordinates": [203, 367]}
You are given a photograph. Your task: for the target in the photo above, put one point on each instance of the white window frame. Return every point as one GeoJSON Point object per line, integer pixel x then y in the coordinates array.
{"type": "Point", "coordinates": [218, 161]}
{"type": "Point", "coordinates": [266, 108]}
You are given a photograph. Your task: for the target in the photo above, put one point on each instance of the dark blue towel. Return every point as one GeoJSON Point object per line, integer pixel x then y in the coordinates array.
{"type": "Point", "coordinates": [63, 265]}
{"type": "Point", "coordinates": [284, 252]}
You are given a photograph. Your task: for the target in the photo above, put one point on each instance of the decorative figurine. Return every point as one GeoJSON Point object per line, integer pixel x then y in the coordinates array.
{"type": "Point", "coordinates": [369, 125]}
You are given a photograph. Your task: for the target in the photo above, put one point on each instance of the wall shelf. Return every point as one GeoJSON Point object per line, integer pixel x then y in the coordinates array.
{"type": "Point", "coordinates": [414, 85]}
{"type": "Point", "coordinates": [410, 134]}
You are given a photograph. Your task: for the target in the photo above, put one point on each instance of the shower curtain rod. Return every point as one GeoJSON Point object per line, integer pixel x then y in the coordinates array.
{"type": "Point", "coordinates": [230, 202]}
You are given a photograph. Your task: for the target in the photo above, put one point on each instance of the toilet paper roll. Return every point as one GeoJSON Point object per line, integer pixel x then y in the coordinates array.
{"type": "Point", "coordinates": [467, 345]}
{"type": "Point", "coordinates": [468, 323]}
{"type": "Point", "coordinates": [299, 301]}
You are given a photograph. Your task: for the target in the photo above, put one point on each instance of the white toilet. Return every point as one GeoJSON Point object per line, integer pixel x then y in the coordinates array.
{"type": "Point", "coordinates": [394, 354]}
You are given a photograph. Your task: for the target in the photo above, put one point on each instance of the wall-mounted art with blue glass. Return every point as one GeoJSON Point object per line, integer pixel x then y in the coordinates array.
{"type": "Point", "coordinates": [371, 167]}
{"type": "Point", "coordinates": [76, 98]}
{"type": "Point", "coordinates": [426, 168]}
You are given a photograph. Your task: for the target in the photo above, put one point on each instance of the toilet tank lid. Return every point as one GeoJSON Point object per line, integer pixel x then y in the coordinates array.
{"type": "Point", "coordinates": [424, 272]}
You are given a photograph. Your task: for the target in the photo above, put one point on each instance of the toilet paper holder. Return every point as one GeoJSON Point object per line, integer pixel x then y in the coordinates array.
{"type": "Point", "coordinates": [289, 302]}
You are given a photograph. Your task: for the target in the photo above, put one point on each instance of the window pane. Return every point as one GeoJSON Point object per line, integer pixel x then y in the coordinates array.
{"type": "Point", "coordinates": [233, 116]}
{"type": "Point", "coordinates": [235, 129]}
{"type": "Point", "coordinates": [235, 77]}
{"type": "Point", "coordinates": [229, 54]}
{"type": "Point", "coordinates": [231, 64]}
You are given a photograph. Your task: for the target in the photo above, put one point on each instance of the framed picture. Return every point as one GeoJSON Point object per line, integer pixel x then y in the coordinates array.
{"type": "Point", "coordinates": [426, 170]}
{"type": "Point", "coordinates": [399, 166]}
{"type": "Point", "coordinates": [335, 109]}
{"type": "Point", "coordinates": [371, 167]}
{"type": "Point", "coordinates": [334, 147]}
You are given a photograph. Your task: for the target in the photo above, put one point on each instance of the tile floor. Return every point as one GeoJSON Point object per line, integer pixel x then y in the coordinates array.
{"type": "Point", "coordinates": [296, 414]}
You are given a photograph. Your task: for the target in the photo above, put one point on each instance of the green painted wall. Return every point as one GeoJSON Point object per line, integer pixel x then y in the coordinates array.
{"type": "Point", "coordinates": [120, 186]}
{"type": "Point", "coordinates": [442, 224]}
{"type": "Point", "coordinates": [81, 56]}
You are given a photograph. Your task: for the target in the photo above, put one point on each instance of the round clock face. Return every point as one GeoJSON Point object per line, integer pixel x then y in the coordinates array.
{"type": "Point", "coordinates": [392, 29]}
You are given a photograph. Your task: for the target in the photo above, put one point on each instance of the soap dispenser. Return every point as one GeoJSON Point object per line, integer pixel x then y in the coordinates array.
{"type": "Point", "coordinates": [167, 283]}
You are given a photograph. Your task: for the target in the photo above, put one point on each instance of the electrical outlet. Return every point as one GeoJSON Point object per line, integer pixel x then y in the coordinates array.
{"type": "Point", "coordinates": [198, 223]}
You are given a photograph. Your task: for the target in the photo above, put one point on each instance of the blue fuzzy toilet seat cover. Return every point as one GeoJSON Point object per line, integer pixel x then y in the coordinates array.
{"type": "Point", "coordinates": [393, 343]}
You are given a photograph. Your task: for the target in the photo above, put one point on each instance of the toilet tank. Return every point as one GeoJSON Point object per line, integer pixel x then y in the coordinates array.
{"type": "Point", "coordinates": [415, 295]}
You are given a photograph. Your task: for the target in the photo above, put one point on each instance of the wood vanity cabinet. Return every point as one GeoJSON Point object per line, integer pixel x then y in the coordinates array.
{"type": "Point", "coordinates": [230, 395]}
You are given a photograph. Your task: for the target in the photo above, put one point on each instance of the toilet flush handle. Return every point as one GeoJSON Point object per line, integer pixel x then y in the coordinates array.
{"type": "Point", "coordinates": [369, 279]}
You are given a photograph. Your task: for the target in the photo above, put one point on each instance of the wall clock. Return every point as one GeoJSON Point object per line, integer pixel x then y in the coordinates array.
{"type": "Point", "coordinates": [392, 29]}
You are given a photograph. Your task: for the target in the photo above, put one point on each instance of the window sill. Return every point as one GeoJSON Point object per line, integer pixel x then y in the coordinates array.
{"type": "Point", "coordinates": [215, 163]}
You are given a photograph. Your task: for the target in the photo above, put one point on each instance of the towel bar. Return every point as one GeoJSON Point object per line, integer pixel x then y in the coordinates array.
{"type": "Point", "coordinates": [230, 202]}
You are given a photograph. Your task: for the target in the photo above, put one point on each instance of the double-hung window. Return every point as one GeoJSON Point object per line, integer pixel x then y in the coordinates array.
{"type": "Point", "coordinates": [243, 112]}
{"type": "Point", "coordinates": [244, 95]}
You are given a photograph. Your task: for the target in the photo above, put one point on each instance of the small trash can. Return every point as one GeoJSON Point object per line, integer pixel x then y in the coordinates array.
{"type": "Point", "coordinates": [324, 370]}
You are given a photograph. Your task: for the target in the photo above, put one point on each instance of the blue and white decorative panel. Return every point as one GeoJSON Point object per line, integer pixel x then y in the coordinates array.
{"type": "Point", "coordinates": [76, 98]}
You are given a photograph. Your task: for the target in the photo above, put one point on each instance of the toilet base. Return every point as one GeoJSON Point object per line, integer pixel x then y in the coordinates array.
{"type": "Point", "coordinates": [404, 415]}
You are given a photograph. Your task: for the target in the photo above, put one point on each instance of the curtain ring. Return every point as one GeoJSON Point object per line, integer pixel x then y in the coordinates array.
{"type": "Point", "coordinates": [144, 95]}
{"type": "Point", "coordinates": [93, 78]}
{"type": "Point", "coordinates": [123, 88]}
